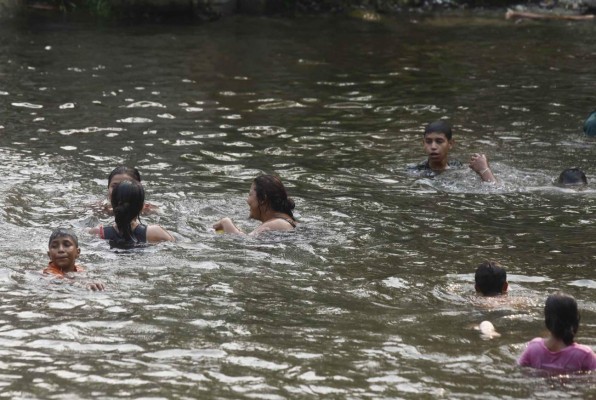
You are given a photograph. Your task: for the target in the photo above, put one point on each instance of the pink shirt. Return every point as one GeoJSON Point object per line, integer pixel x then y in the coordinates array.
{"type": "Point", "coordinates": [575, 357]}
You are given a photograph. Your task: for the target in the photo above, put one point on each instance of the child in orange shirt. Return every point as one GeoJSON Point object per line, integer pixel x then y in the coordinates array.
{"type": "Point", "coordinates": [63, 250]}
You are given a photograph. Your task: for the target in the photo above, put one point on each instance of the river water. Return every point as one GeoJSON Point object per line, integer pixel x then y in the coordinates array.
{"type": "Point", "coordinates": [372, 296]}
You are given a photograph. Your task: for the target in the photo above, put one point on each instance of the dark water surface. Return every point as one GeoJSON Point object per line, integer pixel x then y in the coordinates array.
{"type": "Point", "coordinates": [372, 297]}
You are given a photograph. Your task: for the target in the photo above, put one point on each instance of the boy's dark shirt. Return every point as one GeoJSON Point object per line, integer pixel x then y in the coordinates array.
{"type": "Point", "coordinates": [425, 170]}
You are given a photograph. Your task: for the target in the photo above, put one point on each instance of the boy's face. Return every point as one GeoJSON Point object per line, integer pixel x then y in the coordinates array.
{"type": "Point", "coordinates": [437, 146]}
{"type": "Point", "coordinates": [63, 252]}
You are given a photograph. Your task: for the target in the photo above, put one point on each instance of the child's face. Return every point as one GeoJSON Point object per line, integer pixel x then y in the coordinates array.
{"type": "Point", "coordinates": [116, 179]}
{"type": "Point", "coordinates": [63, 252]}
{"type": "Point", "coordinates": [437, 146]}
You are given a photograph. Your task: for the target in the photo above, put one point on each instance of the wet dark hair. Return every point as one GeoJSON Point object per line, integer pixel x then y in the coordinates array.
{"type": "Point", "coordinates": [572, 176]}
{"type": "Point", "coordinates": [63, 232]}
{"type": "Point", "coordinates": [124, 170]}
{"type": "Point", "coordinates": [561, 317]}
{"type": "Point", "coordinates": [490, 277]}
{"type": "Point", "coordinates": [127, 201]}
{"type": "Point", "coordinates": [271, 191]}
{"type": "Point", "coordinates": [439, 126]}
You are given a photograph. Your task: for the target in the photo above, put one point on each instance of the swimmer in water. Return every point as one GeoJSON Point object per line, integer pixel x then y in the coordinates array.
{"type": "Point", "coordinates": [269, 203]}
{"type": "Point", "coordinates": [572, 177]}
{"type": "Point", "coordinates": [438, 142]}
{"type": "Point", "coordinates": [127, 200]}
{"type": "Point", "coordinates": [559, 351]}
{"type": "Point", "coordinates": [490, 279]}
{"type": "Point", "coordinates": [124, 173]}
{"type": "Point", "coordinates": [63, 250]}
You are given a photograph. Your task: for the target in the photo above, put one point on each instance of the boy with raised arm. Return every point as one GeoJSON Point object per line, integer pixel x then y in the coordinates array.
{"type": "Point", "coordinates": [438, 142]}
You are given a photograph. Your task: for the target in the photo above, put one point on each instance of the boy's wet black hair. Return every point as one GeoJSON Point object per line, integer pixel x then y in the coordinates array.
{"type": "Point", "coordinates": [439, 126]}
{"type": "Point", "coordinates": [572, 176]}
{"type": "Point", "coordinates": [561, 317]}
{"type": "Point", "coordinates": [63, 232]}
{"type": "Point", "coordinates": [490, 278]}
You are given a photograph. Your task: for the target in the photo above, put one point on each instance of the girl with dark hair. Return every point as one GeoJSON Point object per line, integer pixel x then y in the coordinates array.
{"type": "Point", "coordinates": [120, 174]}
{"type": "Point", "coordinates": [269, 203]}
{"type": "Point", "coordinates": [559, 351]}
{"type": "Point", "coordinates": [127, 200]}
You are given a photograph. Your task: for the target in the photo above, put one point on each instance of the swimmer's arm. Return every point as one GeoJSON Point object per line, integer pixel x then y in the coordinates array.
{"type": "Point", "coordinates": [156, 233]}
{"type": "Point", "coordinates": [479, 164]}
{"type": "Point", "coordinates": [226, 225]}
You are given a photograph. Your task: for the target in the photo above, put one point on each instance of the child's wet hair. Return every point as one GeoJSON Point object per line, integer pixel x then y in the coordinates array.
{"type": "Point", "coordinates": [572, 176]}
{"type": "Point", "coordinates": [63, 232]}
{"type": "Point", "coordinates": [490, 278]}
{"type": "Point", "coordinates": [127, 201]}
{"type": "Point", "coordinates": [439, 126]}
{"type": "Point", "coordinates": [124, 170]}
{"type": "Point", "coordinates": [561, 317]}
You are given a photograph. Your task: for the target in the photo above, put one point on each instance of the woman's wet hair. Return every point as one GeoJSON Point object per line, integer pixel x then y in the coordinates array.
{"type": "Point", "coordinates": [63, 232]}
{"type": "Point", "coordinates": [572, 176]}
{"type": "Point", "coordinates": [272, 192]}
{"type": "Point", "coordinates": [124, 170]}
{"type": "Point", "coordinates": [127, 201]}
{"type": "Point", "coordinates": [561, 317]}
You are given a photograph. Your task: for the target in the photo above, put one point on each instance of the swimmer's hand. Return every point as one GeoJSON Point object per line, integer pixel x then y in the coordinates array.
{"type": "Point", "coordinates": [96, 286]}
{"type": "Point", "coordinates": [226, 226]}
{"type": "Point", "coordinates": [479, 164]}
{"type": "Point", "coordinates": [487, 330]}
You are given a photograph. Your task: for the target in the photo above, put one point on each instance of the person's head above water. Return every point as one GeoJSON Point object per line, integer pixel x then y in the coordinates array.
{"type": "Point", "coordinates": [127, 201]}
{"type": "Point", "coordinates": [438, 142]}
{"type": "Point", "coordinates": [572, 177]}
{"type": "Point", "coordinates": [590, 124]}
{"type": "Point", "coordinates": [561, 317]}
{"type": "Point", "coordinates": [122, 173]}
{"type": "Point", "coordinates": [270, 192]}
{"type": "Point", "coordinates": [63, 249]}
{"type": "Point", "coordinates": [490, 279]}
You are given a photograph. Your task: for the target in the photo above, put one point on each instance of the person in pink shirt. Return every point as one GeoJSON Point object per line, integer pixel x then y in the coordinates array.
{"type": "Point", "coordinates": [559, 351]}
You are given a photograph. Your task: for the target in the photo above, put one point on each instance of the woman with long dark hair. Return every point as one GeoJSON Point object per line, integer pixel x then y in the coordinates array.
{"type": "Point", "coordinates": [127, 200]}
{"type": "Point", "coordinates": [120, 174]}
{"type": "Point", "coordinates": [269, 203]}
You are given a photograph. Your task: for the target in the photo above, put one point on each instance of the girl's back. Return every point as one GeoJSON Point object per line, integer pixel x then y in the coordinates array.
{"type": "Point", "coordinates": [127, 199]}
